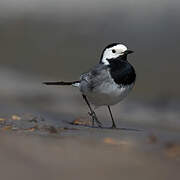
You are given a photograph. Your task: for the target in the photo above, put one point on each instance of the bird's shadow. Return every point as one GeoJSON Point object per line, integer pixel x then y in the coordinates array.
{"type": "Point", "coordinates": [106, 128]}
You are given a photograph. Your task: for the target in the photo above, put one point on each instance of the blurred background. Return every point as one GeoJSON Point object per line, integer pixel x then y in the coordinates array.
{"type": "Point", "coordinates": [49, 40]}
{"type": "Point", "coordinates": [58, 40]}
{"type": "Point", "coordinates": [61, 39]}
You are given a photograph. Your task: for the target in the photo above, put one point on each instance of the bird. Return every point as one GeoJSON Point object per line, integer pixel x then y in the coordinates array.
{"type": "Point", "coordinates": [106, 83]}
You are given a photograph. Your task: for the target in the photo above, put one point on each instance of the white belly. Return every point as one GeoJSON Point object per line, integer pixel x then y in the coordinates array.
{"type": "Point", "coordinates": [108, 94]}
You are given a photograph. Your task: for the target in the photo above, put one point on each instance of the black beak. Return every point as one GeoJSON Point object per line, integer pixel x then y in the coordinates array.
{"type": "Point", "coordinates": [128, 52]}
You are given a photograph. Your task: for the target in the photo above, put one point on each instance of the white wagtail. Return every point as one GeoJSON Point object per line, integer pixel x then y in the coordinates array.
{"type": "Point", "coordinates": [108, 82]}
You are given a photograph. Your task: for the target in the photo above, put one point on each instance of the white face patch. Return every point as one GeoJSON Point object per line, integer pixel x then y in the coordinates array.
{"type": "Point", "coordinates": [113, 52]}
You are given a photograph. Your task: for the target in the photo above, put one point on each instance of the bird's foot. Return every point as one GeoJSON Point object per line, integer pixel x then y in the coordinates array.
{"type": "Point", "coordinates": [95, 119]}
{"type": "Point", "coordinates": [113, 126]}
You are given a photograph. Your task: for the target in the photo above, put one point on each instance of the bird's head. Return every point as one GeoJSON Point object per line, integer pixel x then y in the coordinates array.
{"type": "Point", "coordinates": [114, 51]}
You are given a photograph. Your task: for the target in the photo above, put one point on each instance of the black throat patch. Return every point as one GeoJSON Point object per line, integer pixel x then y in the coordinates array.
{"type": "Point", "coordinates": [122, 71]}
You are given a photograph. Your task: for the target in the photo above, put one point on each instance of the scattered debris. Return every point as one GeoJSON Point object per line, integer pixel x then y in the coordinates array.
{"type": "Point", "coordinates": [33, 120]}
{"type": "Point", "coordinates": [15, 117]}
{"type": "Point", "coordinates": [68, 128]}
{"type": "Point", "coordinates": [14, 128]}
{"type": "Point", "coordinates": [7, 128]}
{"type": "Point", "coordinates": [152, 139]}
{"type": "Point", "coordinates": [2, 119]}
{"type": "Point", "coordinates": [81, 121]}
{"type": "Point", "coordinates": [51, 129]}
{"type": "Point", "coordinates": [172, 150]}
{"type": "Point", "coordinates": [28, 123]}
{"type": "Point", "coordinates": [31, 129]}
{"type": "Point", "coordinates": [112, 141]}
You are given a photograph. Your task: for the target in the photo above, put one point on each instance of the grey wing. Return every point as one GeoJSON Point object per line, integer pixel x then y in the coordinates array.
{"type": "Point", "coordinates": [94, 78]}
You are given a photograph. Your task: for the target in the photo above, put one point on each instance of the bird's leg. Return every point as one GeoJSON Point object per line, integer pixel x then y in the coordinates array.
{"type": "Point", "coordinates": [92, 113]}
{"type": "Point", "coordinates": [113, 123]}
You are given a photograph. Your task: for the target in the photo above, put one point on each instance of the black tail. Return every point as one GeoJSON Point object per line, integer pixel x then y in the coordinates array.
{"type": "Point", "coordinates": [61, 83]}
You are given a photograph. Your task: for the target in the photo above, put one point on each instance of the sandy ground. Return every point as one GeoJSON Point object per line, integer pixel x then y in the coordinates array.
{"type": "Point", "coordinates": [128, 156]}
{"type": "Point", "coordinates": [39, 141]}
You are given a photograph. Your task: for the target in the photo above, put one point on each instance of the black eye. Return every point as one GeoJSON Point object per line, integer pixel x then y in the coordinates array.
{"type": "Point", "coordinates": [113, 50]}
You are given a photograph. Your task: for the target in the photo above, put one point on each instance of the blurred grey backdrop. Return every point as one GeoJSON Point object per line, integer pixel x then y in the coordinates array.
{"type": "Point", "coordinates": [59, 39]}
